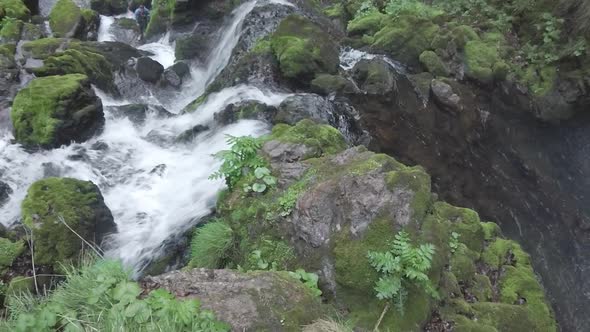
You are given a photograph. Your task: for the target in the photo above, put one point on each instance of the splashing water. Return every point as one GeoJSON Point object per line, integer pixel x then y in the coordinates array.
{"type": "Point", "coordinates": [155, 190]}
{"type": "Point", "coordinates": [350, 57]}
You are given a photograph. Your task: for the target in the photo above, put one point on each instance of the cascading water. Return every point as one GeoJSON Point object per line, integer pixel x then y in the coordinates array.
{"type": "Point", "coordinates": [153, 190]}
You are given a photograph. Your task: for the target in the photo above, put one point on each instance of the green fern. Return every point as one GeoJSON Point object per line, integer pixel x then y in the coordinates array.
{"type": "Point", "coordinates": [403, 265]}
{"type": "Point", "coordinates": [242, 158]}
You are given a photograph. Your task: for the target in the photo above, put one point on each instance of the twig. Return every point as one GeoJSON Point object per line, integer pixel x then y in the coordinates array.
{"type": "Point", "coordinates": [376, 329]}
{"type": "Point", "coordinates": [81, 238]}
{"type": "Point", "coordinates": [30, 240]}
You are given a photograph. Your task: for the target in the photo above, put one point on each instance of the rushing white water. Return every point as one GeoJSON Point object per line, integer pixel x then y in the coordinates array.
{"type": "Point", "coordinates": [350, 57]}
{"type": "Point", "coordinates": [154, 186]}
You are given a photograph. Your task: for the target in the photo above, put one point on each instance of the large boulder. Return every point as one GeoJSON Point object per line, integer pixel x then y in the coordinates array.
{"type": "Point", "coordinates": [125, 30]}
{"type": "Point", "coordinates": [14, 9]}
{"type": "Point", "coordinates": [65, 18]}
{"type": "Point", "coordinates": [259, 301]}
{"type": "Point", "coordinates": [175, 74]}
{"type": "Point", "coordinates": [55, 110]}
{"type": "Point", "coordinates": [333, 205]}
{"type": "Point", "coordinates": [149, 70]}
{"type": "Point", "coordinates": [64, 214]}
{"type": "Point", "coordinates": [109, 7]}
{"type": "Point", "coordinates": [374, 76]}
{"type": "Point", "coordinates": [303, 49]}
{"type": "Point", "coordinates": [88, 27]}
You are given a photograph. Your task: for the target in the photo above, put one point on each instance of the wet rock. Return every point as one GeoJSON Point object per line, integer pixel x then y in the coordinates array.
{"type": "Point", "coordinates": [326, 84]}
{"type": "Point", "coordinates": [9, 78]}
{"type": "Point", "coordinates": [302, 106]}
{"type": "Point", "coordinates": [445, 96]}
{"type": "Point", "coordinates": [100, 146]}
{"type": "Point", "coordinates": [171, 77]}
{"type": "Point", "coordinates": [374, 76]}
{"type": "Point", "coordinates": [149, 70]}
{"type": "Point", "coordinates": [125, 30]}
{"type": "Point", "coordinates": [5, 192]}
{"type": "Point", "coordinates": [159, 169]}
{"type": "Point", "coordinates": [75, 111]}
{"type": "Point", "coordinates": [109, 7]}
{"type": "Point", "coordinates": [31, 32]}
{"type": "Point", "coordinates": [193, 46]}
{"type": "Point", "coordinates": [137, 113]}
{"type": "Point", "coordinates": [191, 134]}
{"type": "Point", "coordinates": [88, 26]}
{"type": "Point", "coordinates": [84, 212]}
{"type": "Point", "coordinates": [247, 301]}
{"type": "Point", "coordinates": [249, 109]}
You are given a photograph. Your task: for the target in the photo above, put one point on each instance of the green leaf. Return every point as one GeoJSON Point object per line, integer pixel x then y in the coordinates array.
{"type": "Point", "coordinates": [261, 172]}
{"type": "Point", "coordinates": [270, 180]}
{"type": "Point", "coordinates": [126, 292]}
{"type": "Point", "coordinates": [259, 187]}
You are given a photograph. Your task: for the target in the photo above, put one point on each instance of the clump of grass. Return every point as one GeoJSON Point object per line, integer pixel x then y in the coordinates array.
{"type": "Point", "coordinates": [210, 245]}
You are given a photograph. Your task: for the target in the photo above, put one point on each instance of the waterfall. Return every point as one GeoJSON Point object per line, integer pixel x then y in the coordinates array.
{"type": "Point", "coordinates": [155, 190]}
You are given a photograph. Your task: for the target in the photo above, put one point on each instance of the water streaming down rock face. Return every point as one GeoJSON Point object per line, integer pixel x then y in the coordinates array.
{"type": "Point", "coordinates": [154, 186]}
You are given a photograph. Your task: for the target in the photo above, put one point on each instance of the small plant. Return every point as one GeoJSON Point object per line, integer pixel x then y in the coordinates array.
{"type": "Point", "coordinates": [454, 242]}
{"type": "Point", "coordinates": [210, 244]}
{"type": "Point", "coordinates": [261, 264]}
{"type": "Point", "coordinates": [262, 182]}
{"type": "Point", "coordinates": [401, 266]}
{"type": "Point", "coordinates": [239, 160]}
{"type": "Point", "coordinates": [309, 279]}
{"type": "Point", "coordinates": [412, 7]}
{"type": "Point", "coordinates": [366, 8]}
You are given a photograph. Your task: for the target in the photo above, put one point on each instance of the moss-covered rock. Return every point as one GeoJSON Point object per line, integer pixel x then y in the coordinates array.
{"type": "Point", "coordinates": [374, 76]}
{"type": "Point", "coordinates": [55, 208]}
{"type": "Point", "coordinates": [433, 64]}
{"type": "Point", "coordinates": [406, 37]}
{"type": "Point", "coordinates": [55, 110]}
{"type": "Point", "coordinates": [7, 52]}
{"type": "Point", "coordinates": [161, 17]}
{"type": "Point", "coordinates": [322, 138]}
{"type": "Point", "coordinates": [71, 61]}
{"type": "Point", "coordinates": [14, 9]}
{"type": "Point", "coordinates": [483, 58]}
{"type": "Point", "coordinates": [11, 30]}
{"type": "Point", "coordinates": [20, 284]}
{"type": "Point", "coordinates": [64, 18]}
{"type": "Point", "coordinates": [43, 48]}
{"type": "Point", "coordinates": [327, 84]}
{"type": "Point", "coordinates": [303, 49]}
{"type": "Point", "coordinates": [368, 24]}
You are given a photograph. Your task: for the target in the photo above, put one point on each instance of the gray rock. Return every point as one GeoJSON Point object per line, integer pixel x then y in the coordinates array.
{"type": "Point", "coordinates": [249, 109]}
{"type": "Point", "coordinates": [175, 74]}
{"type": "Point", "coordinates": [137, 113]}
{"type": "Point", "coordinates": [5, 192]}
{"type": "Point", "coordinates": [191, 134]}
{"type": "Point", "coordinates": [304, 106]}
{"type": "Point", "coordinates": [445, 96]}
{"type": "Point", "coordinates": [149, 70]}
{"type": "Point", "coordinates": [260, 301]}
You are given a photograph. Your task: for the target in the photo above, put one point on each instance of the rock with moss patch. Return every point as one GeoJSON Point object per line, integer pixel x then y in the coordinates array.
{"type": "Point", "coordinates": [254, 301]}
{"type": "Point", "coordinates": [483, 58]}
{"type": "Point", "coordinates": [161, 16]}
{"type": "Point", "coordinates": [433, 63]}
{"type": "Point", "coordinates": [367, 24]}
{"type": "Point", "coordinates": [60, 211]}
{"type": "Point", "coordinates": [192, 46]}
{"type": "Point", "coordinates": [405, 38]}
{"type": "Point", "coordinates": [55, 110]}
{"type": "Point", "coordinates": [11, 30]}
{"type": "Point", "coordinates": [14, 9]}
{"type": "Point", "coordinates": [249, 109]}
{"type": "Point", "coordinates": [65, 18]}
{"type": "Point", "coordinates": [305, 106]}
{"type": "Point", "coordinates": [9, 251]}
{"type": "Point", "coordinates": [374, 76]}
{"type": "Point", "coordinates": [88, 27]}
{"type": "Point", "coordinates": [327, 84]}
{"type": "Point", "coordinates": [71, 61]}
{"type": "Point", "coordinates": [303, 49]}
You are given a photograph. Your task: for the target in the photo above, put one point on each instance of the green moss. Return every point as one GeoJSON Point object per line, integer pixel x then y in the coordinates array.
{"type": "Point", "coordinates": [483, 58]}
{"type": "Point", "coordinates": [490, 230]}
{"type": "Point", "coordinates": [463, 264]}
{"type": "Point", "coordinates": [49, 199]}
{"type": "Point", "coordinates": [463, 34]}
{"type": "Point", "coordinates": [72, 61]}
{"type": "Point", "coordinates": [465, 222]}
{"type": "Point", "coordinates": [498, 252]}
{"type": "Point", "coordinates": [127, 23]}
{"type": "Point", "coordinates": [14, 9]}
{"type": "Point", "coordinates": [503, 317]}
{"type": "Point", "coordinates": [449, 285]}
{"type": "Point", "coordinates": [161, 16]}
{"type": "Point", "coordinates": [9, 251]}
{"type": "Point", "coordinates": [418, 181]}
{"type": "Point", "coordinates": [64, 17]}
{"type": "Point", "coordinates": [326, 84]}
{"type": "Point", "coordinates": [262, 46]}
{"type": "Point", "coordinates": [539, 81]}
{"type": "Point", "coordinates": [433, 63]}
{"type": "Point", "coordinates": [482, 288]}
{"type": "Point", "coordinates": [368, 24]}
{"type": "Point", "coordinates": [195, 103]}
{"type": "Point", "coordinates": [353, 270]}
{"type": "Point", "coordinates": [277, 254]}
{"type": "Point", "coordinates": [11, 30]}
{"type": "Point", "coordinates": [36, 108]}
{"type": "Point", "coordinates": [323, 138]}
{"type": "Point", "coordinates": [43, 48]}
{"type": "Point", "coordinates": [303, 49]}
{"type": "Point", "coordinates": [406, 37]}
{"type": "Point", "coordinates": [7, 52]}
{"type": "Point", "coordinates": [88, 15]}
{"type": "Point", "coordinates": [335, 11]}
